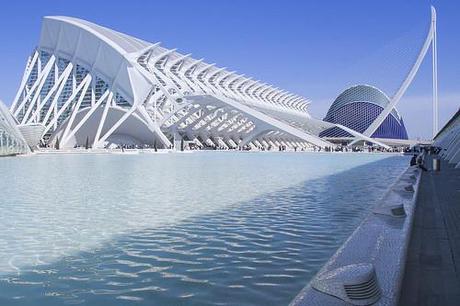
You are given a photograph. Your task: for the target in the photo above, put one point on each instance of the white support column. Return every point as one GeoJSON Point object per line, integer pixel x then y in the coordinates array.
{"type": "Point", "coordinates": [154, 126]}
{"type": "Point", "coordinates": [117, 125]}
{"type": "Point", "coordinates": [53, 106]}
{"type": "Point", "coordinates": [66, 104]}
{"type": "Point", "coordinates": [406, 83]}
{"type": "Point", "coordinates": [76, 108]}
{"type": "Point", "coordinates": [213, 113]}
{"type": "Point", "coordinates": [46, 72]}
{"type": "Point", "coordinates": [87, 115]}
{"type": "Point", "coordinates": [434, 50]}
{"type": "Point", "coordinates": [209, 122]}
{"type": "Point", "coordinates": [93, 91]}
{"type": "Point", "coordinates": [38, 82]}
{"type": "Point", "coordinates": [101, 123]}
{"type": "Point", "coordinates": [253, 135]}
{"type": "Point", "coordinates": [25, 77]}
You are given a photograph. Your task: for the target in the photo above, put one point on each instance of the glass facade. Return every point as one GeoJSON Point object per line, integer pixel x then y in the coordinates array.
{"type": "Point", "coordinates": [48, 94]}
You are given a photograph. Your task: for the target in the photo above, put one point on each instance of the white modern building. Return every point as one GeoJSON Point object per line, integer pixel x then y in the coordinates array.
{"type": "Point", "coordinates": [11, 140]}
{"type": "Point", "coordinates": [448, 139]}
{"type": "Point", "coordinates": [85, 84]}
{"type": "Point", "coordinates": [358, 107]}
{"type": "Point", "coordinates": [89, 84]}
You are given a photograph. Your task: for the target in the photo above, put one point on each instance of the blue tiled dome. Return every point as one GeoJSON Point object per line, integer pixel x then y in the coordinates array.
{"type": "Point", "coordinates": [357, 107]}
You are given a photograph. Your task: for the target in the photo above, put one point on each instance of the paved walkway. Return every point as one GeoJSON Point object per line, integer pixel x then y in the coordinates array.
{"type": "Point", "coordinates": [432, 275]}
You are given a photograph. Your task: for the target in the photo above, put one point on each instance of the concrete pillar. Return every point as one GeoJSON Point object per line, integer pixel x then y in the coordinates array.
{"type": "Point", "coordinates": [177, 141]}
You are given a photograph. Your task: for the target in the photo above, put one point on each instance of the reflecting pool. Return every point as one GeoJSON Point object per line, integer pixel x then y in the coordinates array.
{"type": "Point", "coordinates": [204, 228]}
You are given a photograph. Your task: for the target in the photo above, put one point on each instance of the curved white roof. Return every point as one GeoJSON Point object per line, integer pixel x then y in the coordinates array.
{"type": "Point", "coordinates": [122, 42]}
{"type": "Point", "coordinates": [80, 39]}
{"type": "Point", "coordinates": [171, 92]}
{"type": "Point", "coordinates": [98, 49]}
{"type": "Point", "coordinates": [162, 84]}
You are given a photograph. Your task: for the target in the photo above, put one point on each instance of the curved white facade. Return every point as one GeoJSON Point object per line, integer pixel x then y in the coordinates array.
{"type": "Point", "coordinates": [85, 83]}
{"type": "Point", "coordinates": [11, 140]}
{"type": "Point", "coordinates": [32, 133]}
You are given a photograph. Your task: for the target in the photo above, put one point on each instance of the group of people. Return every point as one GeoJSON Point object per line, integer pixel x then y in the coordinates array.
{"type": "Point", "coordinates": [418, 159]}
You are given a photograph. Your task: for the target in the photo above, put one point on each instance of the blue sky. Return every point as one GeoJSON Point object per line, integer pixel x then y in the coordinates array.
{"type": "Point", "coordinates": [313, 48]}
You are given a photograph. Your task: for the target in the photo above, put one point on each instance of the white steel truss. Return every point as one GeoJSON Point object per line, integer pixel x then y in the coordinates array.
{"type": "Point", "coordinates": [87, 84]}
{"type": "Point", "coordinates": [430, 41]}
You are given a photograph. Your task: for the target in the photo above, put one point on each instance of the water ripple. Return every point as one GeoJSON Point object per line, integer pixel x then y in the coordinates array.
{"type": "Point", "coordinates": [259, 250]}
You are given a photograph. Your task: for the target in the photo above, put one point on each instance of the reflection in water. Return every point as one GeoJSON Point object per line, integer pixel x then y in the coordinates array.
{"type": "Point", "coordinates": [258, 250]}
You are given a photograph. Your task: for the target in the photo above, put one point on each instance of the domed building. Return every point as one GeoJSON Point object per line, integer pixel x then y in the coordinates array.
{"type": "Point", "coordinates": [357, 107]}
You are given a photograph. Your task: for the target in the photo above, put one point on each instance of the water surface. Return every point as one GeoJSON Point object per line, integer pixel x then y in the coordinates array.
{"type": "Point", "coordinates": [178, 229]}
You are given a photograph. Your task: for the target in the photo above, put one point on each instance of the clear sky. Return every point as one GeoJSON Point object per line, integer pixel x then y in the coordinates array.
{"type": "Point", "coordinates": [313, 48]}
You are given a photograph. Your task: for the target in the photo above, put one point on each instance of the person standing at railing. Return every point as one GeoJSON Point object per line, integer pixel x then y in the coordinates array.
{"type": "Point", "coordinates": [413, 160]}
{"type": "Point", "coordinates": [421, 161]}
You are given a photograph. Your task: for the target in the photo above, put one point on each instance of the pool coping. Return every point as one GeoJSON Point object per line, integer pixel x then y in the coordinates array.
{"type": "Point", "coordinates": [380, 240]}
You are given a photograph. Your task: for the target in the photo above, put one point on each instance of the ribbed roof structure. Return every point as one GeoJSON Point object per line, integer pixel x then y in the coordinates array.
{"type": "Point", "coordinates": [88, 81]}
